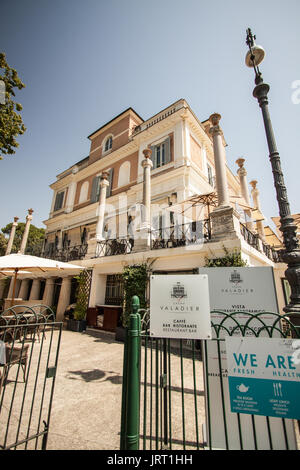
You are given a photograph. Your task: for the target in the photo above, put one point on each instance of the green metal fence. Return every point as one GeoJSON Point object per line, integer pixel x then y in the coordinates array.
{"type": "Point", "coordinates": [29, 347]}
{"type": "Point", "coordinates": [169, 389]}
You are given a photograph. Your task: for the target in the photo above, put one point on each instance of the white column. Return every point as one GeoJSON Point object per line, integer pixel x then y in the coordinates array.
{"type": "Point", "coordinates": [12, 235]}
{"type": "Point", "coordinates": [26, 232]}
{"type": "Point", "coordinates": [48, 292]}
{"type": "Point", "coordinates": [242, 173]}
{"type": "Point", "coordinates": [35, 289]}
{"type": "Point", "coordinates": [147, 165]}
{"type": "Point", "coordinates": [71, 191]}
{"type": "Point", "coordinates": [220, 161]}
{"type": "Point", "coordinates": [101, 208]}
{"type": "Point", "coordinates": [24, 289]}
{"type": "Point", "coordinates": [256, 203]}
{"type": "Point", "coordinates": [64, 298]}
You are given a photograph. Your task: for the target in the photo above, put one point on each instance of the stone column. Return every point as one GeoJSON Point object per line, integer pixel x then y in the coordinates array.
{"type": "Point", "coordinates": [101, 208]}
{"type": "Point", "coordinates": [24, 289]}
{"type": "Point", "coordinates": [147, 165]}
{"type": "Point", "coordinates": [256, 203]}
{"type": "Point", "coordinates": [11, 289]}
{"type": "Point", "coordinates": [12, 235]}
{"type": "Point", "coordinates": [220, 163]}
{"type": "Point", "coordinates": [224, 219]}
{"type": "Point", "coordinates": [142, 234]}
{"type": "Point", "coordinates": [48, 292]}
{"type": "Point", "coordinates": [242, 173]}
{"type": "Point", "coordinates": [35, 290]}
{"type": "Point", "coordinates": [26, 232]}
{"type": "Point", "coordinates": [64, 298]}
{"type": "Point", "coordinates": [71, 191]}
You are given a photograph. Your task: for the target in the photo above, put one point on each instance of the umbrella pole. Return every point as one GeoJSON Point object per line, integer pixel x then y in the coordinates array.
{"type": "Point", "coordinates": [14, 288]}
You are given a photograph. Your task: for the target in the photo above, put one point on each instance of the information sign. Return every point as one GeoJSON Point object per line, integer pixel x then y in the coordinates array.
{"type": "Point", "coordinates": [179, 306]}
{"type": "Point", "coordinates": [263, 376]}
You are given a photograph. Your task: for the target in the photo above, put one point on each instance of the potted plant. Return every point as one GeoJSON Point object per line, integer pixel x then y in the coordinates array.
{"type": "Point", "coordinates": [78, 322]}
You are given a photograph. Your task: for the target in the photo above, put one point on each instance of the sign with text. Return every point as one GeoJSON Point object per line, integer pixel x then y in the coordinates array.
{"type": "Point", "coordinates": [249, 291]}
{"type": "Point", "coordinates": [263, 376]}
{"type": "Point", "coordinates": [179, 306]}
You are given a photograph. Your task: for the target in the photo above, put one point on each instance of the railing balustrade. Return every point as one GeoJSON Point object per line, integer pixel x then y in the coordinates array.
{"type": "Point", "coordinates": [69, 253]}
{"type": "Point", "coordinates": [181, 235]}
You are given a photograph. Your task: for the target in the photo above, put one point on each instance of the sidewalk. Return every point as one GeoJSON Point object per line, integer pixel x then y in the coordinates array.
{"type": "Point", "coordinates": [86, 408]}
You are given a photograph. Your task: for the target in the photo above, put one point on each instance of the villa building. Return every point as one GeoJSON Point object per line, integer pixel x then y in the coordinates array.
{"type": "Point", "coordinates": [160, 192]}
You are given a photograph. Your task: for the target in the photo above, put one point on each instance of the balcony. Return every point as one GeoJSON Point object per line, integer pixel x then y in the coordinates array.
{"type": "Point", "coordinates": [193, 233]}
{"type": "Point", "coordinates": [70, 253]}
{"type": "Point", "coordinates": [115, 246]}
{"type": "Point", "coordinates": [253, 240]}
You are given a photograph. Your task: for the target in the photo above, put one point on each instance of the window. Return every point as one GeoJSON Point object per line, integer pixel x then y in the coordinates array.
{"type": "Point", "coordinates": [161, 154]}
{"type": "Point", "coordinates": [210, 175]}
{"type": "Point", "coordinates": [95, 189]}
{"type": "Point", "coordinates": [108, 144]}
{"type": "Point", "coordinates": [95, 194]}
{"type": "Point", "coordinates": [59, 199]}
{"type": "Point", "coordinates": [114, 289]}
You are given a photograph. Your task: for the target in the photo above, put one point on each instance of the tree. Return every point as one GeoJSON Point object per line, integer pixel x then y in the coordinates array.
{"type": "Point", "coordinates": [11, 123]}
{"type": "Point", "coordinates": [3, 244]}
{"type": "Point", "coordinates": [35, 238]}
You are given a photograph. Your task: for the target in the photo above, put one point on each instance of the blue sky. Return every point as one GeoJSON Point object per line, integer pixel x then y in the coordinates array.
{"type": "Point", "coordinates": [83, 62]}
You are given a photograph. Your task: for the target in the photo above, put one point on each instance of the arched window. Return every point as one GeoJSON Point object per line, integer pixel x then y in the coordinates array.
{"type": "Point", "coordinates": [84, 192]}
{"type": "Point", "coordinates": [108, 144]}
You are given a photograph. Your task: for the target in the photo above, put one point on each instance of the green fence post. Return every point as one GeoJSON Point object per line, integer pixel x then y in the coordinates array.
{"type": "Point", "coordinates": [133, 379]}
{"type": "Point", "coordinates": [124, 392]}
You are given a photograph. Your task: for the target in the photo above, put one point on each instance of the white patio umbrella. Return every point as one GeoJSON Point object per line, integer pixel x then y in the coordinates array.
{"type": "Point", "coordinates": [16, 262]}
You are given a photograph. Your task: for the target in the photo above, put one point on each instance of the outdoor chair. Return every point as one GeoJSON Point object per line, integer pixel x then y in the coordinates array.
{"type": "Point", "coordinates": [14, 355]}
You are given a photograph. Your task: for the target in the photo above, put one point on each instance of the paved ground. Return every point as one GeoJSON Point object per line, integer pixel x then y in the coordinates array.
{"type": "Point", "coordinates": [86, 407]}
{"type": "Point", "coordinates": [87, 402]}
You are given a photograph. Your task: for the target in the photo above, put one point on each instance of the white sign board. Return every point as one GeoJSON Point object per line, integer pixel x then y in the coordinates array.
{"type": "Point", "coordinates": [179, 306]}
{"type": "Point", "coordinates": [239, 290]}
{"type": "Point", "coordinates": [264, 376]}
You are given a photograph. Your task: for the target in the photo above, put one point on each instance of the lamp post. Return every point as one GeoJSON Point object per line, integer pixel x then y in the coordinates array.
{"type": "Point", "coordinates": [291, 252]}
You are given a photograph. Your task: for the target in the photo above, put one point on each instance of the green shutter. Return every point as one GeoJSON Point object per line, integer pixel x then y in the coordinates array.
{"type": "Point", "coordinates": [95, 193]}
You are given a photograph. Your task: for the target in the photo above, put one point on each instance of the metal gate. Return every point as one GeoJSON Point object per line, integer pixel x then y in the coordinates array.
{"type": "Point", "coordinates": [169, 389]}
{"type": "Point", "coordinates": [29, 347]}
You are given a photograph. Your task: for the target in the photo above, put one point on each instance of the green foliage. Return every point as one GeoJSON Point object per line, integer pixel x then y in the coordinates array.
{"type": "Point", "coordinates": [135, 283]}
{"type": "Point", "coordinates": [11, 124]}
{"type": "Point", "coordinates": [82, 297]}
{"type": "Point", "coordinates": [3, 244]}
{"type": "Point", "coordinates": [35, 238]}
{"type": "Point", "coordinates": [230, 259]}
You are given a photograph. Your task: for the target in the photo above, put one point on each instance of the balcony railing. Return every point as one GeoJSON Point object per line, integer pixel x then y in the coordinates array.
{"type": "Point", "coordinates": [181, 235]}
{"type": "Point", "coordinates": [116, 246]}
{"type": "Point", "coordinates": [66, 254]}
{"type": "Point", "coordinates": [253, 240]}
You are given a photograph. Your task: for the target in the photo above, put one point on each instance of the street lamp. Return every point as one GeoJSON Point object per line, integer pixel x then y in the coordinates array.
{"type": "Point", "coordinates": [291, 252]}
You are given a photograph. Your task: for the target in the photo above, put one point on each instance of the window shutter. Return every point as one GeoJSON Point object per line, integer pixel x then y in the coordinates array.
{"type": "Point", "coordinates": [59, 201]}
{"type": "Point", "coordinates": [95, 189]}
{"type": "Point", "coordinates": [152, 148]}
{"type": "Point", "coordinates": [167, 150]}
{"type": "Point", "coordinates": [110, 179]}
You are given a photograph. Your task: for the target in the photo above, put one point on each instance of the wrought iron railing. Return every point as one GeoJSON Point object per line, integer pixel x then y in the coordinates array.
{"type": "Point", "coordinates": [69, 253]}
{"type": "Point", "coordinates": [116, 246]}
{"type": "Point", "coordinates": [181, 235]}
{"type": "Point", "coordinates": [253, 240]}
{"type": "Point", "coordinates": [250, 237]}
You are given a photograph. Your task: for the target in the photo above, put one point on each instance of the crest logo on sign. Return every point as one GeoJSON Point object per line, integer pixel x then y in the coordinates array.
{"type": "Point", "coordinates": [178, 291]}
